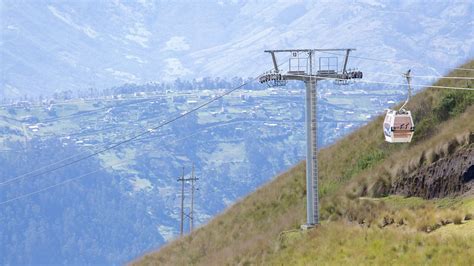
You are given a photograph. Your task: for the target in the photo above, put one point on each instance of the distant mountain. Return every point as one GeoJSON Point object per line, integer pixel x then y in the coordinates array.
{"type": "Point", "coordinates": [57, 45]}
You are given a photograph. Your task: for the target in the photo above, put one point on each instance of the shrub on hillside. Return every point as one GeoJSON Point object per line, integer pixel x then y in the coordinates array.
{"type": "Point", "coordinates": [468, 217]}
{"type": "Point", "coordinates": [457, 219]}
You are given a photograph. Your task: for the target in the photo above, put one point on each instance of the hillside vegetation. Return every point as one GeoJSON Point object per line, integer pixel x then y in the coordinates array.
{"type": "Point", "coordinates": [361, 221]}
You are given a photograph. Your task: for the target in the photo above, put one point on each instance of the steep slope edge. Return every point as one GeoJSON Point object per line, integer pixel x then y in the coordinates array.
{"type": "Point", "coordinates": [450, 176]}
{"type": "Point", "coordinates": [354, 172]}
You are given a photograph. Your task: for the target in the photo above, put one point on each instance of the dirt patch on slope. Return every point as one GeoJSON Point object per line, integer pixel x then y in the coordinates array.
{"type": "Point", "coordinates": [450, 176]}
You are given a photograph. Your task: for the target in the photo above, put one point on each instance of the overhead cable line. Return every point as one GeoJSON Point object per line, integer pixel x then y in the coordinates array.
{"type": "Point", "coordinates": [137, 136]}
{"type": "Point", "coordinates": [57, 184]}
{"type": "Point", "coordinates": [431, 77]}
{"type": "Point", "coordinates": [118, 164]}
{"type": "Point", "coordinates": [417, 85]}
{"type": "Point", "coordinates": [364, 58]}
{"type": "Point", "coordinates": [37, 169]}
{"type": "Point", "coordinates": [114, 165]}
{"type": "Point", "coordinates": [131, 101]}
{"type": "Point", "coordinates": [223, 125]}
{"type": "Point", "coordinates": [73, 156]}
{"type": "Point", "coordinates": [133, 137]}
{"type": "Point", "coordinates": [128, 101]}
{"type": "Point", "coordinates": [67, 158]}
{"type": "Point", "coordinates": [403, 84]}
{"type": "Point", "coordinates": [466, 69]}
{"type": "Point", "coordinates": [385, 60]}
{"type": "Point", "coordinates": [95, 171]}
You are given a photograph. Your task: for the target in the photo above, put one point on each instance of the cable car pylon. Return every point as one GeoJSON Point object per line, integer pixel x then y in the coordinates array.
{"type": "Point", "coordinates": [301, 68]}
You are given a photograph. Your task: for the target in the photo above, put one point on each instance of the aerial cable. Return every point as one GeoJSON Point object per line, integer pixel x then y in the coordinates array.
{"type": "Point", "coordinates": [114, 165]}
{"type": "Point", "coordinates": [364, 58]}
{"type": "Point", "coordinates": [466, 69]}
{"type": "Point", "coordinates": [131, 101]}
{"type": "Point", "coordinates": [121, 163]}
{"type": "Point", "coordinates": [62, 160]}
{"type": "Point", "coordinates": [417, 85]}
{"type": "Point", "coordinates": [57, 184]}
{"type": "Point", "coordinates": [137, 101]}
{"type": "Point", "coordinates": [100, 151]}
{"type": "Point", "coordinates": [155, 128]}
{"type": "Point", "coordinates": [385, 60]}
{"type": "Point", "coordinates": [221, 125]}
{"type": "Point", "coordinates": [37, 169]}
{"type": "Point", "coordinates": [413, 85]}
{"type": "Point", "coordinates": [118, 164]}
{"type": "Point", "coordinates": [131, 138]}
{"type": "Point", "coordinates": [416, 76]}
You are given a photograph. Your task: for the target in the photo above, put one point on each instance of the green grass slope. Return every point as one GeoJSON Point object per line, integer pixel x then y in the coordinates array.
{"type": "Point", "coordinates": [361, 223]}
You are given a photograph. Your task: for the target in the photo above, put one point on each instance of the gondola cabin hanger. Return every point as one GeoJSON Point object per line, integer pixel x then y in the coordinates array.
{"type": "Point", "coordinates": [398, 126]}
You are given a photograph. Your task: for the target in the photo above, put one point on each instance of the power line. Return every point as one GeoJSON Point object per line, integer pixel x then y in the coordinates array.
{"type": "Point", "coordinates": [403, 84]}
{"type": "Point", "coordinates": [384, 60]}
{"type": "Point", "coordinates": [131, 101]}
{"type": "Point", "coordinates": [95, 171]}
{"type": "Point", "coordinates": [37, 169]}
{"type": "Point", "coordinates": [114, 165]}
{"type": "Point", "coordinates": [106, 148]}
{"type": "Point", "coordinates": [131, 138]}
{"type": "Point", "coordinates": [87, 174]}
{"type": "Point", "coordinates": [467, 69]}
{"type": "Point", "coordinates": [67, 158]}
{"type": "Point", "coordinates": [113, 146]}
{"type": "Point", "coordinates": [85, 152]}
{"type": "Point", "coordinates": [138, 135]}
{"type": "Point", "coordinates": [60, 161]}
{"type": "Point", "coordinates": [222, 125]}
{"type": "Point", "coordinates": [419, 85]}
{"type": "Point", "coordinates": [57, 184]}
{"type": "Point", "coordinates": [155, 128]}
{"type": "Point", "coordinates": [431, 77]}
{"type": "Point", "coordinates": [364, 58]}
{"type": "Point", "coordinates": [141, 100]}
{"type": "Point", "coordinates": [115, 125]}
{"type": "Point", "coordinates": [440, 77]}
{"type": "Point", "coordinates": [121, 163]}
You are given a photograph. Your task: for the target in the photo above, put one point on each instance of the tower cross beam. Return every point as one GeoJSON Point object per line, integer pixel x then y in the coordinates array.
{"type": "Point", "coordinates": [308, 50]}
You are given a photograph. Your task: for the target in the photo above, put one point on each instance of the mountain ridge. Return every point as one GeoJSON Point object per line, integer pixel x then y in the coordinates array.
{"type": "Point", "coordinates": [106, 44]}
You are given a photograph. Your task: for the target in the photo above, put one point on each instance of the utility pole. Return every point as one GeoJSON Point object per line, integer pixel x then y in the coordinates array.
{"type": "Point", "coordinates": [191, 214]}
{"type": "Point", "coordinates": [182, 203]}
{"type": "Point", "coordinates": [300, 68]}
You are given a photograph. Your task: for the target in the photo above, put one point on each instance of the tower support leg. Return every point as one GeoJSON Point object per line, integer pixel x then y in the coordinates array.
{"type": "Point", "coordinates": [312, 201]}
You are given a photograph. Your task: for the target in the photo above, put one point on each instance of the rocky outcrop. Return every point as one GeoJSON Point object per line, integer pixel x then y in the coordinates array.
{"type": "Point", "coordinates": [449, 176]}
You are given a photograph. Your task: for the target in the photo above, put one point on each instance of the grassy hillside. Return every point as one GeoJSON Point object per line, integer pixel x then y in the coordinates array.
{"type": "Point", "coordinates": [361, 222]}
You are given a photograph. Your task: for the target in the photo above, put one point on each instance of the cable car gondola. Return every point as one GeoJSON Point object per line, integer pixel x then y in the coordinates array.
{"type": "Point", "coordinates": [398, 126]}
